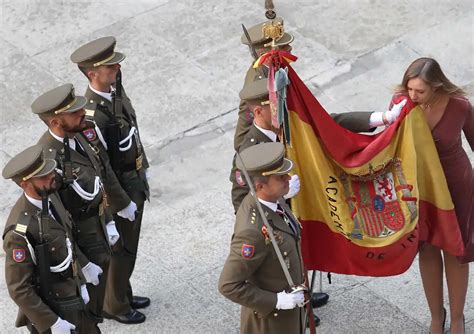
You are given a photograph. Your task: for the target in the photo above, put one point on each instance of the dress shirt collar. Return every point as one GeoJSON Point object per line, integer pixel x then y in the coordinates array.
{"type": "Point", "coordinates": [107, 96]}
{"type": "Point", "coordinates": [269, 133]}
{"type": "Point", "coordinates": [271, 205]}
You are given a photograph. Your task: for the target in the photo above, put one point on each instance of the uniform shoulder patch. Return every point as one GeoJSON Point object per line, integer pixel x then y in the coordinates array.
{"type": "Point", "coordinates": [90, 134]}
{"type": "Point", "coordinates": [239, 178]}
{"type": "Point", "coordinates": [248, 251]}
{"type": "Point", "coordinates": [19, 255]}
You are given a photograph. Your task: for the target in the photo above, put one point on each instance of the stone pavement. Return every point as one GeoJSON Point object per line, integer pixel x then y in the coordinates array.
{"type": "Point", "coordinates": [183, 71]}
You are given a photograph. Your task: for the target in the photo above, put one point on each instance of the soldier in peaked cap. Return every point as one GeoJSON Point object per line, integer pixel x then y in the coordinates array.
{"type": "Point", "coordinates": [261, 44]}
{"type": "Point", "coordinates": [25, 231]}
{"type": "Point", "coordinates": [252, 275]}
{"type": "Point", "coordinates": [116, 127]}
{"type": "Point", "coordinates": [255, 96]}
{"type": "Point", "coordinates": [354, 121]}
{"type": "Point", "coordinates": [89, 187]}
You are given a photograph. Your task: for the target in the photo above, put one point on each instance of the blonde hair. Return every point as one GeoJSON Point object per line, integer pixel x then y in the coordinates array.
{"type": "Point", "coordinates": [429, 70]}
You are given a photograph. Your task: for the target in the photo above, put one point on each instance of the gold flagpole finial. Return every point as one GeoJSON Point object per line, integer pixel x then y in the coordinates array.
{"type": "Point", "coordinates": [269, 10]}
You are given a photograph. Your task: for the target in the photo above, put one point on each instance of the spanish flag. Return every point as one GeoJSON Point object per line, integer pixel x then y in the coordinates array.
{"type": "Point", "coordinates": [366, 201]}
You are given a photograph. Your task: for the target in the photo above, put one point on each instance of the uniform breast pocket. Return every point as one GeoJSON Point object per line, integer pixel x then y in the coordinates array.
{"type": "Point", "coordinates": [58, 249]}
{"type": "Point", "coordinates": [287, 247]}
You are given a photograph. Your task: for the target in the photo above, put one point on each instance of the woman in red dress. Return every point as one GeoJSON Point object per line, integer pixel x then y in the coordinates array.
{"type": "Point", "coordinates": [448, 113]}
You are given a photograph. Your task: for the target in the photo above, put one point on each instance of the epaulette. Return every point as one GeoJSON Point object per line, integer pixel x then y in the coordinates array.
{"type": "Point", "coordinates": [253, 216]}
{"type": "Point", "coordinates": [90, 109]}
{"type": "Point", "coordinates": [21, 226]}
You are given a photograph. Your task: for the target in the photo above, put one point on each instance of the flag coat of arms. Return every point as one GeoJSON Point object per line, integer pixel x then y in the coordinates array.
{"type": "Point", "coordinates": [366, 201]}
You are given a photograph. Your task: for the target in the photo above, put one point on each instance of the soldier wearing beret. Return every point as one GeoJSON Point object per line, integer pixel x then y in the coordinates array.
{"type": "Point", "coordinates": [252, 275]}
{"type": "Point", "coordinates": [28, 272]}
{"type": "Point", "coordinates": [116, 127]}
{"type": "Point", "coordinates": [89, 187]}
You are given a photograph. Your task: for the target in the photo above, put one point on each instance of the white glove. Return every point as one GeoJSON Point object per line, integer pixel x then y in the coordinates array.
{"type": "Point", "coordinates": [377, 118]}
{"type": "Point", "coordinates": [62, 327]}
{"type": "Point", "coordinates": [288, 301]}
{"type": "Point", "coordinates": [148, 174]}
{"type": "Point", "coordinates": [129, 211]}
{"type": "Point", "coordinates": [92, 273]}
{"type": "Point", "coordinates": [85, 294]}
{"type": "Point", "coordinates": [294, 187]}
{"type": "Point", "coordinates": [112, 233]}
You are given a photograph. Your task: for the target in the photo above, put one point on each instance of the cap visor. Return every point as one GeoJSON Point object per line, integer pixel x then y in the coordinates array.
{"type": "Point", "coordinates": [287, 38]}
{"type": "Point", "coordinates": [116, 59]}
{"type": "Point", "coordinates": [80, 103]}
{"type": "Point", "coordinates": [49, 166]}
{"type": "Point", "coordinates": [285, 168]}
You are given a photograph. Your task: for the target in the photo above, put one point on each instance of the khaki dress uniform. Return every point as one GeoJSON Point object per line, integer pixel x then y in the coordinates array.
{"type": "Point", "coordinates": [133, 180]}
{"type": "Point", "coordinates": [89, 215]}
{"type": "Point", "coordinates": [22, 278]}
{"type": "Point", "coordinates": [89, 164]}
{"type": "Point", "coordinates": [21, 275]}
{"type": "Point", "coordinates": [254, 282]}
{"type": "Point", "coordinates": [131, 172]}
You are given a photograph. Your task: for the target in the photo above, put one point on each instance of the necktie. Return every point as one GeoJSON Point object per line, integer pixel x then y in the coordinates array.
{"type": "Point", "coordinates": [54, 213]}
{"type": "Point", "coordinates": [79, 148]}
{"type": "Point", "coordinates": [287, 219]}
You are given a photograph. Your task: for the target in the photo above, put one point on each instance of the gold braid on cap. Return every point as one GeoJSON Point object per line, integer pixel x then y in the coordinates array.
{"type": "Point", "coordinates": [104, 61]}
{"type": "Point", "coordinates": [65, 107]}
{"type": "Point", "coordinates": [273, 171]}
{"type": "Point", "coordinates": [29, 176]}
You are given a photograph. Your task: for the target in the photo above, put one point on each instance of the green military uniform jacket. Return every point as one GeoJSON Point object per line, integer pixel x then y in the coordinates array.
{"type": "Point", "coordinates": [240, 189]}
{"type": "Point", "coordinates": [353, 121]}
{"type": "Point", "coordinates": [99, 110]}
{"type": "Point", "coordinates": [252, 275]}
{"type": "Point", "coordinates": [90, 216]}
{"type": "Point", "coordinates": [21, 273]}
{"type": "Point", "coordinates": [245, 114]}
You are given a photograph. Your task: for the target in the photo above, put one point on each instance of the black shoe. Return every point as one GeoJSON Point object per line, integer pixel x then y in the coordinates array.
{"type": "Point", "coordinates": [317, 321]}
{"type": "Point", "coordinates": [140, 302]}
{"type": "Point", "coordinates": [131, 317]}
{"type": "Point", "coordinates": [319, 299]}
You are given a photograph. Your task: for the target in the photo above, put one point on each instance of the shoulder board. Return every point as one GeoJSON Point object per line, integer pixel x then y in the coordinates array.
{"type": "Point", "coordinates": [253, 216]}
{"type": "Point", "coordinates": [21, 226]}
{"type": "Point", "coordinates": [90, 108]}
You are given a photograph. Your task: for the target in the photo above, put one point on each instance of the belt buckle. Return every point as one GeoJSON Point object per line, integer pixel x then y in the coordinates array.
{"type": "Point", "coordinates": [139, 162]}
